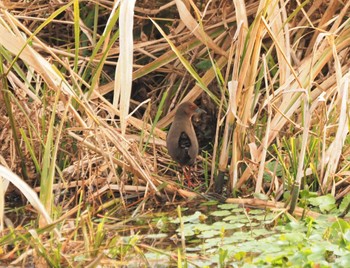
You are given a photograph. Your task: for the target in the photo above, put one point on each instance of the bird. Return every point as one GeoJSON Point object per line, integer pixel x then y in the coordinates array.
{"type": "Point", "coordinates": [181, 140]}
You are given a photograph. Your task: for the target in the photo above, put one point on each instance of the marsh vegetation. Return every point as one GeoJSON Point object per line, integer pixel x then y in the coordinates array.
{"type": "Point", "coordinates": [89, 90]}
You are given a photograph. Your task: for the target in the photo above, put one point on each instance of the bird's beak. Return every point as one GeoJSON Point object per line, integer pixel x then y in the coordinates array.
{"type": "Point", "coordinates": [200, 111]}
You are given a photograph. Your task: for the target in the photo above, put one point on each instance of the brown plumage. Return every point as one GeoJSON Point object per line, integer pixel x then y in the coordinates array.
{"type": "Point", "coordinates": [181, 141]}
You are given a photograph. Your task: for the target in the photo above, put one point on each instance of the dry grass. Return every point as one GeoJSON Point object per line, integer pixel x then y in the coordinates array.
{"type": "Point", "coordinates": [272, 75]}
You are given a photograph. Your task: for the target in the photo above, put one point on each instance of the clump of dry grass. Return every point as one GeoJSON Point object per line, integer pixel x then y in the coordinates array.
{"type": "Point", "coordinates": [272, 74]}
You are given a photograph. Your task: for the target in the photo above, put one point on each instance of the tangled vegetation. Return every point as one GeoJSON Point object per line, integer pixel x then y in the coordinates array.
{"type": "Point", "coordinates": [89, 89]}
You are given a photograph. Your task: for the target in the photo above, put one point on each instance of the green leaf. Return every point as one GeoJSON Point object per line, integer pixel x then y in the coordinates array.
{"type": "Point", "coordinates": [204, 65]}
{"type": "Point", "coordinates": [345, 202]}
{"type": "Point", "coordinates": [220, 213]}
{"type": "Point", "coordinates": [191, 218]}
{"type": "Point", "coordinates": [209, 234]}
{"type": "Point", "coordinates": [228, 206]}
{"type": "Point", "coordinates": [325, 203]}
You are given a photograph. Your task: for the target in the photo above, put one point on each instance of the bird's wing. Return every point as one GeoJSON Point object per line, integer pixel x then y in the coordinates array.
{"type": "Point", "coordinates": [184, 141]}
{"type": "Point", "coordinates": [184, 146]}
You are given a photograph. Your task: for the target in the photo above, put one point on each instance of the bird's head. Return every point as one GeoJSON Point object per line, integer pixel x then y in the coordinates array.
{"type": "Point", "coordinates": [188, 109]}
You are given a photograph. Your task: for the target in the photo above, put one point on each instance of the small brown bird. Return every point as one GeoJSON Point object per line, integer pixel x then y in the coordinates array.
{"type": "Point", "coordinates": [181, 140]}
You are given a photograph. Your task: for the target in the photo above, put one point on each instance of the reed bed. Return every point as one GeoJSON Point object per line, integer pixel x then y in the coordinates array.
{"type": "Point", "coordinates": [89, 90]}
